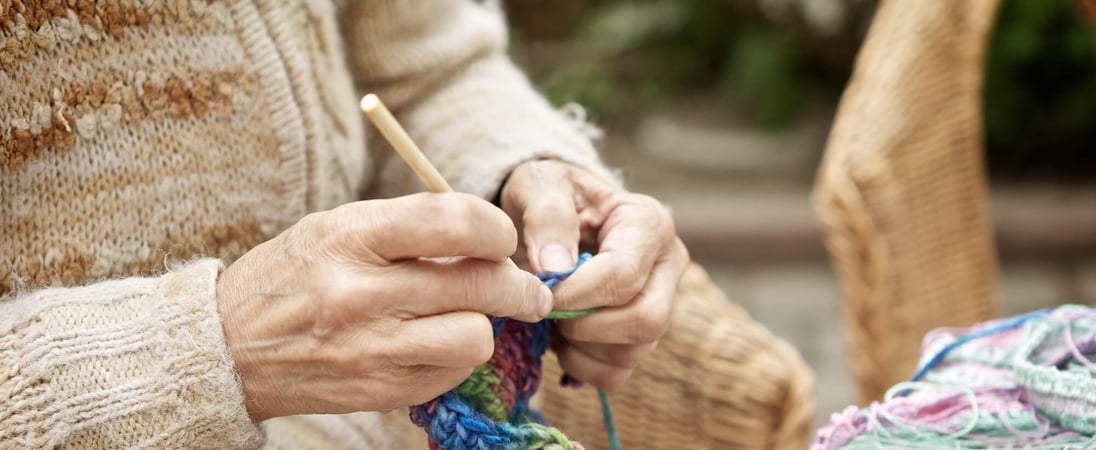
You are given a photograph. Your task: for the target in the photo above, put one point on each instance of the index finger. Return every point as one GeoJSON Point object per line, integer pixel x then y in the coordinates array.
{"type": "Point", "coordinates": [423, 225]}
{"type": "Point", "coordinates": [432, 287]}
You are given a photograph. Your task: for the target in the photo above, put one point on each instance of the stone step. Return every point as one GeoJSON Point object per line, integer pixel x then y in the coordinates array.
{"type": "Point", "coordinates": [742, 195]}
{"type": "Point", "coordinates": [737, 223]}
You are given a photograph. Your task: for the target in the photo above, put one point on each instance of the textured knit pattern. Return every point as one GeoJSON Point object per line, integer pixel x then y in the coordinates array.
{"type": "Point", "coordinates": [137, 133]}
{"type": "Point", "coordinates": [491, 408]}
{"type": "Point", "coordinates": [95, 359]}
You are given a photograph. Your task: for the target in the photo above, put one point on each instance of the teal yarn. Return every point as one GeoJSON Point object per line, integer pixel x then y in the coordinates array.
{"type": "Point", "coordinates": [551, 279]}
{"type": "Point", "coordinates": [607, 415]}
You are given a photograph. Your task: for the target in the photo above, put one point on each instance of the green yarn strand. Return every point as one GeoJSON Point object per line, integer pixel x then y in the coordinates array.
{"type": "Point", "coordinates": [564, 315]}
{"type": "Point", "coordinates": [479, 389]}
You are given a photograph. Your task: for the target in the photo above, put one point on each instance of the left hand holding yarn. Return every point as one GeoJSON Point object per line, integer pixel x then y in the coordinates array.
{"type": "Point", "coordinates": [631, 280]}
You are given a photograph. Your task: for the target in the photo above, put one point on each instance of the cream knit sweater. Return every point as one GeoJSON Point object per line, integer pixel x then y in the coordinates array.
{"type": "Point", "coordinates": [145, 144]}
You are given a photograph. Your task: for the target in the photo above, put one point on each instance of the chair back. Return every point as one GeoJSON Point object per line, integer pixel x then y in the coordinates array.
{"type": "Point", "coordinates": [902, 190]}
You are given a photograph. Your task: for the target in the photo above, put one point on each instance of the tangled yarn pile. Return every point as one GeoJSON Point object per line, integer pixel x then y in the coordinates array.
{"type": "Point", "coordinates": [1023, 382]}
{"type": "Point", "coordinates": [490, 410]}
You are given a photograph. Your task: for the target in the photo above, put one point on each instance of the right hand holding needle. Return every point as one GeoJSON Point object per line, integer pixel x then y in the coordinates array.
{"type": "Point", "coordinates": [341, 313]}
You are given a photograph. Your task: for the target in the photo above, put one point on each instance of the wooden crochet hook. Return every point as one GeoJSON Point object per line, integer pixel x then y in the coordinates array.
{"type": "Point", "coordinates": [383, 119]}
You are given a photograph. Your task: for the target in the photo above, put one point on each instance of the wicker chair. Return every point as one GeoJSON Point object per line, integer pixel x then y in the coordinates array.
{"type": "Point", "coordinates": [902, 190]}
{"type": "Point", "coordinates": [718, 380]}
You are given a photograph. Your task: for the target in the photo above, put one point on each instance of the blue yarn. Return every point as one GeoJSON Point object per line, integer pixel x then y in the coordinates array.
{"type": "Point", "coordinates": [540, 338]}
{"type": "Point", "coordinates": [451, 423]}
{"type": "Point", "coordinates": [496, 325]}
{"type": "Point", "coordinates": [550, 279]}
{"type": "Point", "coordinates": [1004, 325]}
{"type": "Point", "coordinates": [458, 426]}
{"type": "Point", "coordinates": [522, 413]}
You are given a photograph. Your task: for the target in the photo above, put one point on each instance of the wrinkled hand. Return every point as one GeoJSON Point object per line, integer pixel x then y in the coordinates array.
{"type": "Point", "coordinates": [339, 313]}
{"type": "Point", "coordinates": [632, 279]}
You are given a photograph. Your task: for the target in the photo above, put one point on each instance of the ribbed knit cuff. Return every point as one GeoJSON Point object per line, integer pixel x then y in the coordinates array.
{"type": "Point", "coordinates": [358, 431]}
{"type": "Point", "coordinates": [138, 362]}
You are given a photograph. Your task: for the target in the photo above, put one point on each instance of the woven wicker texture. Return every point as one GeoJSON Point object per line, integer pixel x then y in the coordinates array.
{"type": "Point", "coordinates": [902, 188]}
{"type": "Point", "coordinates": [718, 380]}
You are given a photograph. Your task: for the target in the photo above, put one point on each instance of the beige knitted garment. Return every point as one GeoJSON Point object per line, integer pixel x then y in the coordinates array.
{"type": "Point", "coordinates": [145, 144]}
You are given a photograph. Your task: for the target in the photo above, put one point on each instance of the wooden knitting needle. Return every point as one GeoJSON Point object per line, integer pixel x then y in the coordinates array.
{"type": "Point", "coordinates": [384, 121]}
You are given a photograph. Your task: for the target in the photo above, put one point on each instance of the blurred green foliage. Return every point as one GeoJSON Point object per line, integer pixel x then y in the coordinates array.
{"type": "Point", "coordinates": [625, 57]}
{"type": "Point", "coordinates": [631, 55]}
{"type": "Point", "coordinates": [1040, 97]}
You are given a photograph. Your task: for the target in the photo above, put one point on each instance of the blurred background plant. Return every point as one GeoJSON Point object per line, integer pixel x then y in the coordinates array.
{"type": "Point", "coordinates": [1040, 101]}
{"type": "Point", "coordinates": [766, 62]}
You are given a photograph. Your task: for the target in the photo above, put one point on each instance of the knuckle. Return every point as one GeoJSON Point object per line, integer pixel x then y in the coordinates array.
{"type": "Point", "coordinates": [659, 214]}
{"type": "Point", "coordinates": [329, 232]}
{"type": "Point", "coordinates": [625, 282]}
{"type": "Point", "coordinates": [333, 291]}
{"type": "Point", "coordinates": [531, 297]}
{"type": "Point", "coordinates": [627, 358]}
{"type": "Point", "coordinates": [476, 285]}
{"type": "Point", "coordinates": [460, 207]}
{"type": "Point", "coordinates": [457, 206]}
{"type": "Point", "coordinates": [512, 193]}
{"type": "Point", "coordinates": [312, 220]}
{"type": "Point", "coordinates": [681, 251]}
{"type": "Point", "coordinates": [646, 201]}
{"type": "Point", "coordinates": [482, 342]}
{"type": "Point", "coordinates": [440, 381]}
{"type": "Point", "coordinates": [312, 227]}
{"type": "Point", "coordinates": [649, 326]}
{"type": "Point", "coordinates": [446, 218]}
{"type": "Point", "coordinates": [666, 226]}
{"type": "Point", "coordinates": [662, 217]}
{"type": "Point", "coordinates": [462, 218]}
{"type": "Point", "coordinates": [482, 353]}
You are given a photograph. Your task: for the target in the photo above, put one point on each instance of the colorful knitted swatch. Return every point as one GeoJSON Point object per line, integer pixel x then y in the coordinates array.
{"type": "Point", "coordinates": [490, 410]}
{"type": "Point", "coordinates": [1022, 382]}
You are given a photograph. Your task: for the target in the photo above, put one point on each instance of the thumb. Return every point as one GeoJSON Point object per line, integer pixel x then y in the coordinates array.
{"type": "Point", "coordinates": [542, 195]}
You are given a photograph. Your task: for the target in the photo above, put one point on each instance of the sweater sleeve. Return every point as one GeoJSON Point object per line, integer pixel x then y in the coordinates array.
{"type": "Point", "coordinates": [358, 431]}
{"type": "Point", "coordinates": [441, 66]}
{"type": "Point", "coordinates": [132, 363]}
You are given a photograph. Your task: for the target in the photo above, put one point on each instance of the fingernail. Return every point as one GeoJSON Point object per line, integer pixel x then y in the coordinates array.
{"type": "Point", "coordinates": [555, 258]}
{"type": "Point", "coordinates": [547, 301]}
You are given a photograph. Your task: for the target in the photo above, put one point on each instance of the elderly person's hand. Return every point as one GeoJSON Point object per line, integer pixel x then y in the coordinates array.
{"type": "Point", "coordinates": [631, 280]}
{"type": "Point", "coordinates": [340, 313]}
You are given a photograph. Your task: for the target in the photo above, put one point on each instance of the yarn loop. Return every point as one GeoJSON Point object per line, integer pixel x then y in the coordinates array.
{"type": "Point", "coordinates": [1023, 382]}
{"type": "Point", "coordinates": [490, 409]}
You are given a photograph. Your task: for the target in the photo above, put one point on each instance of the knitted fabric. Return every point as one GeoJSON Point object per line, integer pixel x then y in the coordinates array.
{"type": "Point", "coordinates": [138, 136]}
{"type": "Point", "coordinates": [490, 410]}
{"type": "Point", "coordinates": [1023, 382]}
